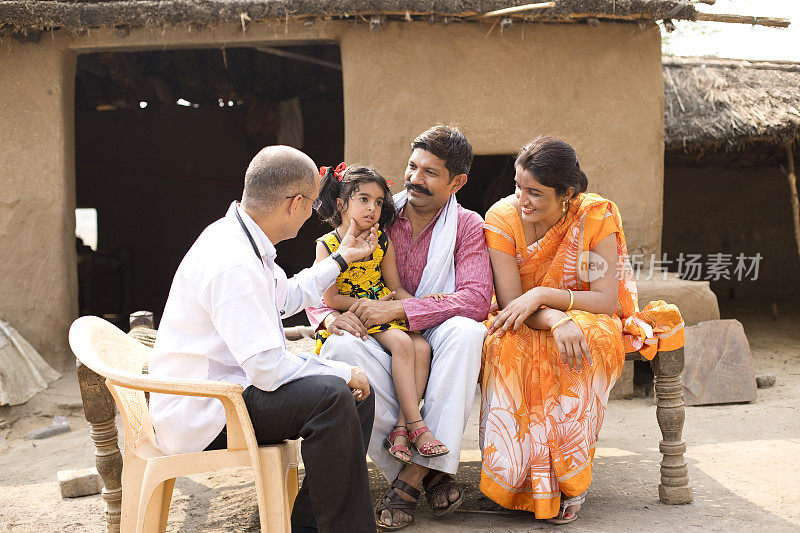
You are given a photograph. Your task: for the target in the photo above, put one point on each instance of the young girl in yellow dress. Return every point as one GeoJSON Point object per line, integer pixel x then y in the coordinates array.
{"type": "Point", "coordinates": [361, 194]}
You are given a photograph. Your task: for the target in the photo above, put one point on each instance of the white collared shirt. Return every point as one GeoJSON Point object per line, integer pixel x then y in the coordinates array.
{"type": "Point", "coordinates": [222, 322]}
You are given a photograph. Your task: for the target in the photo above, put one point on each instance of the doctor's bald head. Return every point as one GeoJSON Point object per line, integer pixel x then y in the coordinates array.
{"type": "Point", "coordinates": [275, 175]}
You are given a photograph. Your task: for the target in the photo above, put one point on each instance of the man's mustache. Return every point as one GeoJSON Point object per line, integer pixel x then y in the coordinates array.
{"type": "Point", "coordinates": [417, 188]}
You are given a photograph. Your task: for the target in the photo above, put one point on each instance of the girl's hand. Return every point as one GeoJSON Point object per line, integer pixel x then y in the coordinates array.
{"type": "Point", "coordinates": [438, 296]}
{"type": "Point", "coordinates": [516, 313]}
{"type": "Point", "coordinates": [572, 345]}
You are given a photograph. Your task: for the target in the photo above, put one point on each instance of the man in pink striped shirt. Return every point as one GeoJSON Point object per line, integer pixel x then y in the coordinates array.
{"type": "Point", "coordinates": [437, 169]}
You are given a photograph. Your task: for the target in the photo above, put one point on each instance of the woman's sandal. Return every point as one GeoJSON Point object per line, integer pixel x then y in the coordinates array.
{"type": "Point", "coordinates": [393, 448]}
{"type": "Point", "coordinates": [567, 502]}
{"type": "Point", "coordinates": [425, 449]}
{"type": "Point", "coordinates": [443, 485]}
{"type": "Point", "coordinates": [393, 501]}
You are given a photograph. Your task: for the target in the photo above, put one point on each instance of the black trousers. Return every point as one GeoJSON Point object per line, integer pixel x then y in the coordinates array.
{"type": "Point", "coordinates": [335, 431]}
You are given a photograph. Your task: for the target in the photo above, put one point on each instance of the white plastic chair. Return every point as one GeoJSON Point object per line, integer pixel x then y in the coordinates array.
{"type": "Point", "coordinates": [148, 476]}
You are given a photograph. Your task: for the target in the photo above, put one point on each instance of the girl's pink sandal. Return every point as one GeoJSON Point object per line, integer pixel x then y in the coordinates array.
{"type": "Point", "coordinates": [425, 449]}
{"type": "Point", "coordinates": [393, 448]}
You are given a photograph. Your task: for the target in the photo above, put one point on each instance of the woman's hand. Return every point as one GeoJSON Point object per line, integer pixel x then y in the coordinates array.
{"type": "Point", "coordinates": [517, 312]}
{"type": "Point", "coordinates": [572, 345]}
{"type": "Point", "coordinates": [438, 296]}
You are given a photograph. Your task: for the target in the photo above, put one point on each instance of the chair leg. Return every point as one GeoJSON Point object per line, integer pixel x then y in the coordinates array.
{"type": "Point", "coordinates": [132, 477]}
{"type": "Point", "coordinates": [670, 413]}
{"type": "Point", "coordinates": [154, 511]}
{"type": "Point", "coordinates": [274, 505]}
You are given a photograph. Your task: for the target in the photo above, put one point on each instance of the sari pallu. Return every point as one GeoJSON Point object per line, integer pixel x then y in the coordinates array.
{"type": "Point", "coordinates": [539, 419]}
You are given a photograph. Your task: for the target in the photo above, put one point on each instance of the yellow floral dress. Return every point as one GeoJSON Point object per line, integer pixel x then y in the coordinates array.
{"type": "Point", "coordinates": [362, 280]}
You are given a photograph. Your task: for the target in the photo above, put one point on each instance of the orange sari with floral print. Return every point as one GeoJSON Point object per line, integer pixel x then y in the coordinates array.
{"type": "Point", "coordinates": [539, 419]}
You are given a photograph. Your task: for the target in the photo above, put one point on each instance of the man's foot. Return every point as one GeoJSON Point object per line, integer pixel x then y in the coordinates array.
{"type": "Point", "coordinates": [443, 493]}
{"type": "Point", "coordinates": [424, 441]}
{"type": "Point", "coordinates": [396, 511]}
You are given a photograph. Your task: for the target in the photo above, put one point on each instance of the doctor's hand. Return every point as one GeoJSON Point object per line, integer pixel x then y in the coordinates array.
{"type": "Point", "coordinates": [359, 383]}
{"type": "Point", "coordinates": [357, 245]}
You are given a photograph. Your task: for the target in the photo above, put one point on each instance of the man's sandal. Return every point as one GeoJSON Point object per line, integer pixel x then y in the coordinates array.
{"type": "Point", "coordinates": [567, 502]}
{"type": "Point", "coordinates": [443, 485]}
{"type": "Point", "coordinates": [393, 448]}
{"type": "Point", "coordinates": [425, 449]}
{"type": "Point", "coordinates": [393, 501]}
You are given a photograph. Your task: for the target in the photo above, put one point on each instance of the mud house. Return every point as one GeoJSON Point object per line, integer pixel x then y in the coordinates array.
{"type": "Point", "coordinates": [148, 112]}
{"type": "Point", "coordinates": [731, 127]}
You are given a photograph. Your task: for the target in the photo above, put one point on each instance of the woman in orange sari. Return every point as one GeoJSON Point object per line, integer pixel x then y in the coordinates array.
{"type": "Point", "coordinates": [567, 315]}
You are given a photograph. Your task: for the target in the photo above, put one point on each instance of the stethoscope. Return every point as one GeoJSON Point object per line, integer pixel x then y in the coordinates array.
{"type": "Point", "coordinates": [247, 232]}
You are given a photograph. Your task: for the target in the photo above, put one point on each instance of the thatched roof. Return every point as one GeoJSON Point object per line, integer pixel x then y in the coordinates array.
{"type": "Point", "coordinates": [714, 104]}
{"type": "Point", "coordinates": [28, 15]}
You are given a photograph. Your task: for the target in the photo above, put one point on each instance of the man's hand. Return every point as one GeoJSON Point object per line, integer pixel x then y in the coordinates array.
{"type": "Point", "coordinates": [377, 312]}
{"type": "Point", "coordinates": [359, 383]}
{"type": "Point", "coordinates": [356, 246]}
{"type": "Point", "coordinates": [337, 324]}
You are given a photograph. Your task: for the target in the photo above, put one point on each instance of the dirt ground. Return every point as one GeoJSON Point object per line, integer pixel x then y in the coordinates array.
{"type": "Point", "coordinates": [744, 463]}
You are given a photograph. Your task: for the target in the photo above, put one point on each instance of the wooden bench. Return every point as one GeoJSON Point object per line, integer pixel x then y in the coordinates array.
{"type": "Point", "coordinates": [100, 411]}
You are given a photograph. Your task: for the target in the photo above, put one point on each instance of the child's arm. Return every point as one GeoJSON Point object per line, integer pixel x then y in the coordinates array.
{"type": "Point", "coordinates": [331, 296]}
{"type": "Point", "coordinates": [391, 276]}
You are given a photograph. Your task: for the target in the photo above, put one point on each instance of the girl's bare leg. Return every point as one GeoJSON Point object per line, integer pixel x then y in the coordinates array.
{"type": "Point", "coordinates": [422, 369]}
{"type": "Point", "coordinates": [400, 345]}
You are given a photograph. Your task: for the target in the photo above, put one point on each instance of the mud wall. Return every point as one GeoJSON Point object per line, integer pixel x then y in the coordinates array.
{"type": "Point", "coordinates": [38, 282]}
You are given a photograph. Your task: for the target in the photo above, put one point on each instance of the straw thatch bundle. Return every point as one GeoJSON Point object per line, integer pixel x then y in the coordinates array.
{"type": "Point", "coordinates": [33, 15]}
{"type": "Point", "coordinates": [713, 104]}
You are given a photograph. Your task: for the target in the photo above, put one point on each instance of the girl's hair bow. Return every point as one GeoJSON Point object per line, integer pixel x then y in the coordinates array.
{"type": "Point", "coordinates": [338, 172]}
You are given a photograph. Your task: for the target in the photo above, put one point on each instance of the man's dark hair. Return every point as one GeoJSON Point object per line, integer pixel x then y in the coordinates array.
{"type": "Point", "coordinates": [446, 142]}
{"type": "Point", "coordinates": [275, 173]}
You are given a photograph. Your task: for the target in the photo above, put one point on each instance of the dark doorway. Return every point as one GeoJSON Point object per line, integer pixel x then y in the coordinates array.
{"type": "Point", "coordinates": [490, 179]}
{"type": "Point", "coordinates": [162, 142]}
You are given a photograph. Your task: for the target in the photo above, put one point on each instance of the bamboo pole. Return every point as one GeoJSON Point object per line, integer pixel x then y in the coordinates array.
{"type": "Point", "coordinates": [790, 175]}
{"type": "Point", "coordinates": [518, 9]}
{"type": "Point", "coordinates": [743, 19]}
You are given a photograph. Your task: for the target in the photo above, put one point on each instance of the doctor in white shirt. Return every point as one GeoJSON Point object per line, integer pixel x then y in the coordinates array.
{"type": "Point", "coordinates": [222, 322]}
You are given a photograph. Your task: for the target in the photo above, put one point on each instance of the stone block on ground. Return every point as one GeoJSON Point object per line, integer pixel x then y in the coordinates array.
{"type": "Point", "coordinates": [694, 298]}
{"type": "Point", "coordinates": [718, 364]}
{"type": "Point", "coordinates": [623, 388]}
{"type": "Point", "coordinates": [77, 483]}
{"type": "Point", "coordinates": [765, 381]}
{"type": "Point", "coordinates": [49, 431]}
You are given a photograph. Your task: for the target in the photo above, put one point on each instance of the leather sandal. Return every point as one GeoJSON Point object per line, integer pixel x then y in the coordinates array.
{"type": "Point", "coordinates": [443, 485]}
{"type": "Point", "coordinates": [425, 449]}
{"type": "Point", "coordinates": [393, 448]}
{"type": "Point", "coordinates": [560, 519]}
{"type": "Point", "coordinates": [393, 501]}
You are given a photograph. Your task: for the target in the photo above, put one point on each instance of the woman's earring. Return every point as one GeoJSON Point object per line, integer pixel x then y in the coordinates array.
{"type": "Point", "coordinates": [564, 206]}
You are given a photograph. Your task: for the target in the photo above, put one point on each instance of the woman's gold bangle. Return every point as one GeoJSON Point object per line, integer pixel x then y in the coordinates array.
{"type": "Point", "coordinates": [571, 299]}
{"type": "Point", "coordinates": [565, 319]}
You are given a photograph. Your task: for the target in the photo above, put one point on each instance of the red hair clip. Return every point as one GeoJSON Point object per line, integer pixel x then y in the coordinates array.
{"type": "Point", "coordinates": [338, 172]}
{"type": "Point", "coordinates": [390, 183]}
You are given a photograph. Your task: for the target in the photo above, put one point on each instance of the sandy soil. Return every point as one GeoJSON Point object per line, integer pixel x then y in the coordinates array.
{"type": "Point", "coordinates": [744, 463]}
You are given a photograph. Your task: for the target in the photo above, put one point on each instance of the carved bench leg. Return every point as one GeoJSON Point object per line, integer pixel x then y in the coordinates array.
{"type": "Point", "coordinates": [670, 413]}
{"type": "Point", "coordinates": [100, 411]}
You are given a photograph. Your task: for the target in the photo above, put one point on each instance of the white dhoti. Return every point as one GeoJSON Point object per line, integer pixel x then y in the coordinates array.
{"type": "Point", "coordinates": [456, 346]}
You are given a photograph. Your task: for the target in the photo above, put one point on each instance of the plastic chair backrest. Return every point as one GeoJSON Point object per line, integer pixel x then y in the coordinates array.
{"type": "Point", "coordinates": [108, 351]}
